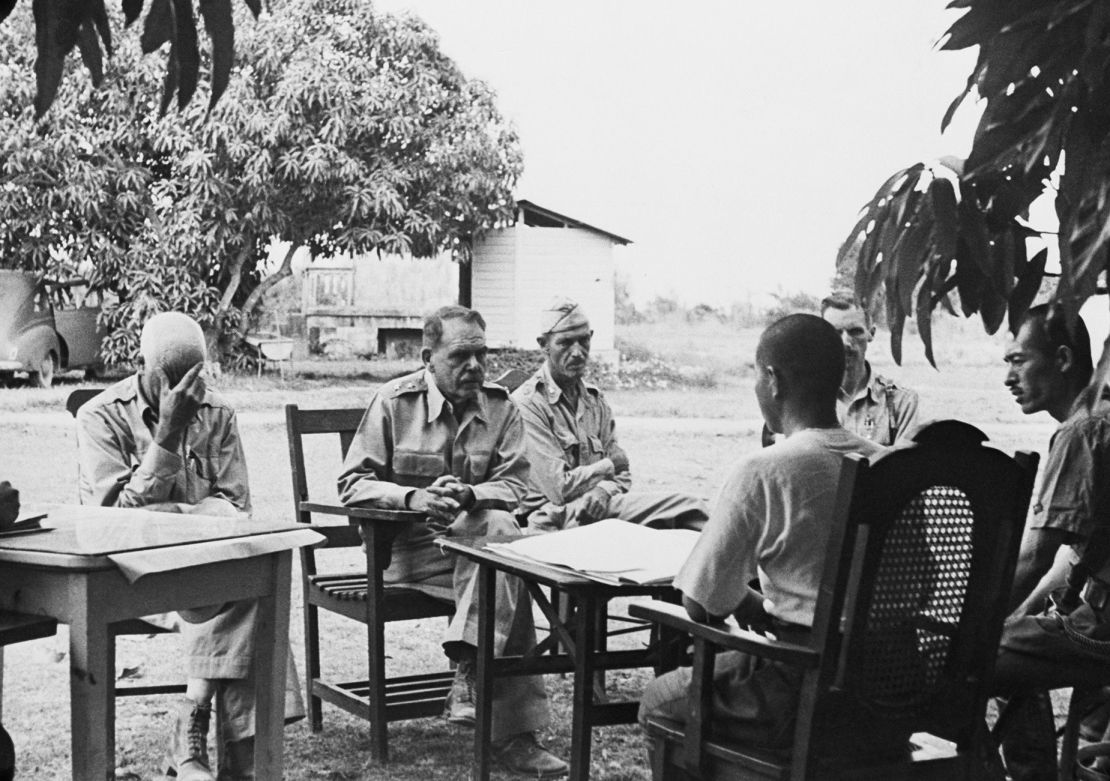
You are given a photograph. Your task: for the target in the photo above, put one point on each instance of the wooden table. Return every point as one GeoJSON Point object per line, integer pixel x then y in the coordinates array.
{"type": "Point", "coordinates": [66, 573]}
{"type": "Point", "coordinates": [577, 644]}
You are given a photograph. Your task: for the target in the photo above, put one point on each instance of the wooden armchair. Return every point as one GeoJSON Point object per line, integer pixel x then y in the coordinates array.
{"type": "Point", "coordinates": [360, 596]}
{"type": "Point", "coordinates": [906, 629]}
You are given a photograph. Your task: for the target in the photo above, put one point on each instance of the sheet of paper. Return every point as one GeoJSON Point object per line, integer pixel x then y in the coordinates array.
{"type": "Point", "coordinates": [135, 564]}
{"type": "Point", "coordinates": [611, 548]}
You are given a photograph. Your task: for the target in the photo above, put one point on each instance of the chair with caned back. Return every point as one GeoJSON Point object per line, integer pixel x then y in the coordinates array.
{"type": "Point", "coordinates": [361, 596]}
{"type": "Point", "coordinates": [906, 630]}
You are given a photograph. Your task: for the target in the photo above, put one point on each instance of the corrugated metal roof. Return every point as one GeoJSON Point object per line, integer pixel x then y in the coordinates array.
{"type": "Point", "coordinates": [536, 215]}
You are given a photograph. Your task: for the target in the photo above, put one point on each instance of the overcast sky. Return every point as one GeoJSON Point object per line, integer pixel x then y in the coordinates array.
{"type": "Point", "coordinates": [732, 141]}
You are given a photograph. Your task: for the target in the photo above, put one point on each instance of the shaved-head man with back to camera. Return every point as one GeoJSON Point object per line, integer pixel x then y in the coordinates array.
{"type": "Point", "coordinates": [771, 521]}
{"type": "Point", "coordinates": [161, 440]}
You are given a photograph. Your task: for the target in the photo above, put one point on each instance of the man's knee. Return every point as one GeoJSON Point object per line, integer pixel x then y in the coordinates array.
{"type": "Point", "coordinates": [482, 523]}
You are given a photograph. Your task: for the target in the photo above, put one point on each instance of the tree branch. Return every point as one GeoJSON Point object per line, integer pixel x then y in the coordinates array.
{"type": "Point", "coordinates": [253, 300]}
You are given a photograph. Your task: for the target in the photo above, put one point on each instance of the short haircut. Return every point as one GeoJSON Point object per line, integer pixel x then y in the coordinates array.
{"type": "Point", "coordinates": [843, 300]}
{"type": "Point", "coordinates": [433, 323]}
{"type": "Point", "coordinates": [174, 341]}
{"type": "Point", "coordinates": [1049, 324]}
{"type": "Point", "coordinates": [807, 351]}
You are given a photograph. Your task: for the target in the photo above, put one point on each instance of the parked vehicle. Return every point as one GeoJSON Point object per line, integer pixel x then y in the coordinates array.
{"type": "Point", "coordinates": [47, 325]}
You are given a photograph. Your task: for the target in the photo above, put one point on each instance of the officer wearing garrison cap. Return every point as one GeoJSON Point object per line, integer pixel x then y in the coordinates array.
{"type": "Point", "coordinates": [579, 472]}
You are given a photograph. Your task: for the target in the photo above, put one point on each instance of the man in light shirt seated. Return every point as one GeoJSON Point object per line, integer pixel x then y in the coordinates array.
{"type": "Point", "coordinates": [771, 521]}
{"type": "Point", "coordinates": [160, 440]}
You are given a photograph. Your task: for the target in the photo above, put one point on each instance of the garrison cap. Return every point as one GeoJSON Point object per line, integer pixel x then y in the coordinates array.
{"type": "Point", "coordinates": [562, 314]}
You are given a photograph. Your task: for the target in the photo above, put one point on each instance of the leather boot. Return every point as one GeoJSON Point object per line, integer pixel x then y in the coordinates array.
{"type": "Point", "coordinates": [188, 760]}
{"type": "Point", "coordinates": [237, 760]}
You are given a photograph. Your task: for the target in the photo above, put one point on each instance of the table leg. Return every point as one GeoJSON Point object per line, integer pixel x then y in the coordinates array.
{"type": "Point", "coordinates": [92, 657]}
{"type": "Point", "coordinates": [272, 648]}
{"type": "Point", "coordinates": [581, 725]}
{"type": "Point", "coordinates": [484, 716]}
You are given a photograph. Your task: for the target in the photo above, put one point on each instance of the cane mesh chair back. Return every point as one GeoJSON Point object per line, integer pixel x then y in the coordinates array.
{"type": "Point", "coordinates": [897, 669]}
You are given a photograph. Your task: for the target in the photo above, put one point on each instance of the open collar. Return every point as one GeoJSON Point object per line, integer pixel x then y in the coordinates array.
{"type": "Point", "coordinates": [437, 401]}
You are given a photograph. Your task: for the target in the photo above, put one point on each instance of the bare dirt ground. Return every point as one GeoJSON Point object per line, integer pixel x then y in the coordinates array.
{"type": "Point", "coordinates": [684, 438]}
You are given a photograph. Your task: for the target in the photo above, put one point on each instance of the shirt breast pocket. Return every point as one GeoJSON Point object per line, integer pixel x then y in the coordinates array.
{"type": "Point", "coordinates": [571, 448]}
{"type": "Point", "coordinates": [417, 468]}
{"type": "Point", "coordinates": [478, 466]}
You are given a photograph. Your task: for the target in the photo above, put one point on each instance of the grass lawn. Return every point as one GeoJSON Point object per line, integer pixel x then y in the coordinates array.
{"type": "Point", "coordinates": [676, 438]}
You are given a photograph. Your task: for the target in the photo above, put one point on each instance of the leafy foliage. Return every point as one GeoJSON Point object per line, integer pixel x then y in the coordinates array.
{"type": "Point", "coordinates": [958, 228]}
{"type": "Point", "coordinates": [342, 130]}
{"type": "Point", "coordinates": [62, 24]}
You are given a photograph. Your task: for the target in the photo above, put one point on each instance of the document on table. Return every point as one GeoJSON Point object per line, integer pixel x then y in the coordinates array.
{"type": "Point", "coordinates": [610, 551]}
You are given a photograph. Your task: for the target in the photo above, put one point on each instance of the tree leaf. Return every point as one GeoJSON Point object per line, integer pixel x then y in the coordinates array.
{"type": "Point", "coordinates": [945, 218]}
{"type": "Point", "coordinates": [896, 321]}
{"type": "Point", "coordinates": [1026, 289]}
{"type": "Point", "coordinates": [89, 47]}
{"type": "Point", "coordinates": [925, 320]}
{"type": "Point", "coordinates": [221, 30]}
{"type": "Point", "coordinates": [992, 309]}
{"type": "Point", "coordinates": [56, 25]}
{"type": "Point", "coordinates": [186, 51]}
{"type": "Point", "coordinates": [131, 11]}
{"type": "Point", "coordinates": [969, 277]}
{"type": "Point", "coordinates": [158, 27]}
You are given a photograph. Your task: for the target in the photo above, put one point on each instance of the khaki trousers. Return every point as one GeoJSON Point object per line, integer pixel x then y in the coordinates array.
{"type": "Point", "coordinates": [519, 702]}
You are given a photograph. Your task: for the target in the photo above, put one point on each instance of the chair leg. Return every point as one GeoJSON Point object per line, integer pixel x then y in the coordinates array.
{"type": "Point", "coordinates": [1078, 707]}
{"type": "Point", "coordinates": [375, 653]}
{"type": "Point", "coordinates": [312, 665]}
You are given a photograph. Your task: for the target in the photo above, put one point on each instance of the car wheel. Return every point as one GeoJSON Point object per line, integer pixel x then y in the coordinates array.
{"type": "Point", "coordinates": [44, 377]}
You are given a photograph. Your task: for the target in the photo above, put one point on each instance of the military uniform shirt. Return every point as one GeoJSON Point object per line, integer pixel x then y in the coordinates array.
{"type": "Point", "coordinates": [882, 412]}
{"type": "Point", "coordinates": [409, 436]}
{"type": "Point", "coordinates": [570, 447]}
{"type": "Point", "coordinates": [120, 464]}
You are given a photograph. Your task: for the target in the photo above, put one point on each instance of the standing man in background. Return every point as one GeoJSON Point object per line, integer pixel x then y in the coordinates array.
{"type": "Point", "coordinates": [869, 405]}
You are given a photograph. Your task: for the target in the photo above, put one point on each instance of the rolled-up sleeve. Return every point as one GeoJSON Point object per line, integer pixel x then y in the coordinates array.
{"type": "Point", "coordinates": [364, 479]}
{"type": "Point", "coordinates": [1075, 479]}
{"type": "Point", "coordinates": [106, 474]}
{"type": "Point", "coordinates": [509, 468]}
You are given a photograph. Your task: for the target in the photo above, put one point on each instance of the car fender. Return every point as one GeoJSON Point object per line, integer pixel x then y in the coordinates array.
{"type": "Point", "coordinates": [35, 342]}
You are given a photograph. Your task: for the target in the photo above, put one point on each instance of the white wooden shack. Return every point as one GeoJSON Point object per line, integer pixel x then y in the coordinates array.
{"type": "Point", "coordinates": [375, 305]}
{"type": "Point", "coordinates": [517, 271]}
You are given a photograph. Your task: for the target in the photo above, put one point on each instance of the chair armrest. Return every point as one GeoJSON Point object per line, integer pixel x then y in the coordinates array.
{"type": "Point", "coordinates": [726, 636]}
{"type": "Point", "coordinates": [368, 513]}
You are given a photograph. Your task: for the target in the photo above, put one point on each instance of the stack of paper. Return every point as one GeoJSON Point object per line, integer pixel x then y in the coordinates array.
{"type": "Point", "coordinates": [610, 551]}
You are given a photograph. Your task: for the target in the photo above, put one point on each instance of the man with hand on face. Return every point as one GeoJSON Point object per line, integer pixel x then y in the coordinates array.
{"type": "Point", "coordinates": [160, 440]}
{"type": "Point", "coordinates": [868, 404]}
{"type": "Point", "coordinates": [579, 473]}
{"type": "Point", "coordinates": [445, 443]}
{"type": "Point", "coordinates": [1059, 632]}
{"type": "Point", "coordinates": [771, 521]}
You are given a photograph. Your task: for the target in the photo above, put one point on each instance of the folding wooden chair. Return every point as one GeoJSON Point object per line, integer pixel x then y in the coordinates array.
{"type": "Point", "coordinates": [359, 596]}
{"type": "Point", "coordinates": [906, 631]}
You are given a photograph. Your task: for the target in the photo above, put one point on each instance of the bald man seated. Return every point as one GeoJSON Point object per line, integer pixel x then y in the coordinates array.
{"type": "Point", "coordinates": [163, 441]}
{"type": "Point", "coordinates": [580, 474]}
